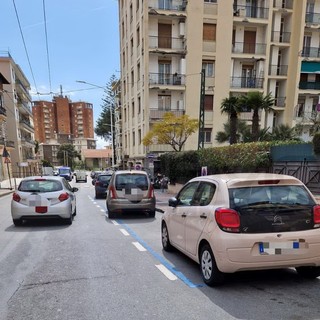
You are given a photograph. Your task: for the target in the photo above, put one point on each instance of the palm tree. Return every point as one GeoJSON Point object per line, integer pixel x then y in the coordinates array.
{"type": "Point", "coordinates": [255, 101]}
{"type": "Point", "coordinates": [231, 107]}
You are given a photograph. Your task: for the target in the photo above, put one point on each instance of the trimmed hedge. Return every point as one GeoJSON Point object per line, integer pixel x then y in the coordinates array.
{"type": "Point", "coordinates": [243, 157]}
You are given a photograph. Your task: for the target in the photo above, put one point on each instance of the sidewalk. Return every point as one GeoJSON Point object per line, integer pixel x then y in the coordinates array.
{"type": "Point", "coordinates": [8, 186]}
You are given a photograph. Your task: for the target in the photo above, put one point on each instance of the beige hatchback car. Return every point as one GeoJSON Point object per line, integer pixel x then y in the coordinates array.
{"type": "Point", "coordinates": [245, 221]}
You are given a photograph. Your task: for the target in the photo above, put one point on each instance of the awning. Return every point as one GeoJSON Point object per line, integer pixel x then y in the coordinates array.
{"type": "Point", "coordinates": [310, 67]}
{"type": "Point", "coordinates": [3, 80]}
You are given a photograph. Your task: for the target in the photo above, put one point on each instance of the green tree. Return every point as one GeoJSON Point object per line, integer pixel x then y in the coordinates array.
{"type": "Point", "coordinates": [231, 107]}
{"type": "Point", "coordinates": [243, 132]}
{"type": "Point", "coordinates": [173, 131]}
{"type": "Point", "coordinates": [283, 133]}
{"type": "Point", "coordinates": [66, 154]}
{"type": "Point", "coordinates": [103, 128]}
{"type": "Point", "coordinates": [256, 101]}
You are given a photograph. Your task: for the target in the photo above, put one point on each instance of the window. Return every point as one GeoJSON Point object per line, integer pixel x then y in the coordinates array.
{"type": "Point", "coordinates": [207, 135]}
{"type": "Point", "coordinates": [208, 102]}
{"type": "Point", "coordinates": [186, 194]}
{"type": "Point", "coordinates": [164, 102]}
{"type": "Point", "coordinates": [209, 32]}
{"type": "Point", "coordinates": [210, 1]}
{"type": "Point", "coordinates": [209, 68]}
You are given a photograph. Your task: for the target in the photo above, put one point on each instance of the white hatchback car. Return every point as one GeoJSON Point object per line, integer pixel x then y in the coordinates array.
{"type": "Point", "coordinates": [245, 221]}
{"type": "Point", "coordinates": [43, 198]}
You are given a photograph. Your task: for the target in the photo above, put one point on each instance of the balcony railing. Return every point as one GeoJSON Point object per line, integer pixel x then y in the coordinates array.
{"type": "Point", "coordinates": [9, 144]}
{"type": "Point", "coordinates": [27, 123]}
{"type": "Point", "coordinates": [311, 52]}
{"type": "Point", "coordinates": [312, 17]}
{"type": "Point", "coordinates": [246, 82]}
{"type": "Point", "coordinates": [283, 4]}
{"type": "Point", "coordinates": [158, 114]}
{"type": "Point", "coordinates": [166, 79]}
{"type": "Point", "coordinates": [171, 5]}
{"type": "Point", "coordinates": [281, 70]}
{"type": "Point", "coordinates": [3, 111]}
{"type": "Point", "coordinates": [251, 48]}
{"type": "Point", "coordinates": [251, 11]}
{"type": "Point", "coordinates": [166, 42]}
{"type": "Point", "coordinates": [306, 85]}
{"type": "Point", "coordinates": [280, 36]}
{"type": "Point", "coordinates": [280, 102]}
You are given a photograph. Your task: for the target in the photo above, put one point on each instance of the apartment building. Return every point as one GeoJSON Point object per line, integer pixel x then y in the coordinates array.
{"type": "Point", "coordinates": [242, 45]}
{"type": "Point", "coordinates": [62, 121]}
{"type": "Point", "coordinates": [17, 131]}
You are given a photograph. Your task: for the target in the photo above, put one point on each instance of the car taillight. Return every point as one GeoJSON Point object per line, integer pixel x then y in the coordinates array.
{"type": "Point", "coordinates": [151, 192]}
{"type": "Point", "coordinates": [113, 192]}
{"type": "Point", "coordinates": [63, 196]}
{"type": "Point", "coordinates": [316, 214]}
{"type": "Point", "coordinates": [16, 197]}
{"type": "Point", "coordinates": [228, 219]}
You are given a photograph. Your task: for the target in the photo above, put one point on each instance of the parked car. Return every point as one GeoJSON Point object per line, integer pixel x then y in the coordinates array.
{"type": "Point", "coordinates": [130, 191]}
{"type": "Point", "coordinates": [247, 221]}
{"type": "Point", "coordinates": [43, 198]}
{"type": "Point", "coordinates": [101, 183]}
{"type": "Point", "coordinates": [80, 176]}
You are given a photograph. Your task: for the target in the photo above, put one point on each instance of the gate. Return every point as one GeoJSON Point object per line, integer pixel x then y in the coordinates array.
{"type": "Point", "coordinates": [306, 171]}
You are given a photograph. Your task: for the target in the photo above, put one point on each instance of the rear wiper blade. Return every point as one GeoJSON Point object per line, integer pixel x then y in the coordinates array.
{"type": "Point", "coordinates": [30, 190]}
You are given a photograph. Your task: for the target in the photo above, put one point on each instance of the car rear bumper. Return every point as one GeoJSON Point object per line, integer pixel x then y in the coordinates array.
{"type": "Point", "coordinates": [240, 252]}
{"type": "Point", "coordinates": [124, 206]}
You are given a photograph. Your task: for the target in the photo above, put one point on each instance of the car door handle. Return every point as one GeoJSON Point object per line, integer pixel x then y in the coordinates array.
{"type": "Point", "coordinates": [203, 216]}
{"type": "Point", "coordinates": [183, 215]}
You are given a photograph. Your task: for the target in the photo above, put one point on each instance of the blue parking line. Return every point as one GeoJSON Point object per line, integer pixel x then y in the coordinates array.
{"type": "Point", "coordinates": [176, 272]}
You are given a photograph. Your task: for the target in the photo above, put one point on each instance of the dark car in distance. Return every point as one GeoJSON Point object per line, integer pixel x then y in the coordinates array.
{"type": "Point", "coordinates": [101, 183]}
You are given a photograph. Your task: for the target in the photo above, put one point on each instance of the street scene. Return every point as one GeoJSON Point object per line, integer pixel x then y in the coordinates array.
{"type": "Point", "coordinates": [160, 159]}
{"type": "Point", "coordinates": [99, 268]}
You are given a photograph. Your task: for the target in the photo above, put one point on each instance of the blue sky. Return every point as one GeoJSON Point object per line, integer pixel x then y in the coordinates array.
{"type": "Point", "coordinates": [83, 44]}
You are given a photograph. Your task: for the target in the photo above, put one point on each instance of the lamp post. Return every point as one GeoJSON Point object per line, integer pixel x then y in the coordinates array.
{"type": "Point", "coordinates": [111, 116]}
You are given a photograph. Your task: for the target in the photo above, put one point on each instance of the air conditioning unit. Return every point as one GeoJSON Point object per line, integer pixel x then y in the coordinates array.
{"type": "Point", "coordinates": [180, 105]}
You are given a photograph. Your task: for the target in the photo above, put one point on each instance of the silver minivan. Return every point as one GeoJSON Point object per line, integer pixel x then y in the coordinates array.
{"type": "Point", "coordinates": [130, 191]}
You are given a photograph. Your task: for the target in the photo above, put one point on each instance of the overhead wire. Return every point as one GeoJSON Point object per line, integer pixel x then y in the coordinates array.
{"type": "Point", "coordinates": [24, 44]}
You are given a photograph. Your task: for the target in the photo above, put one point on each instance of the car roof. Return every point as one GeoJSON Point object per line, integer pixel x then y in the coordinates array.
{"type": "Point", "coordinates": [248, 179]}
{"type": "Point", "coordinates": [43, 178]}
{"type": "Point", "coordinates": [131, 172]}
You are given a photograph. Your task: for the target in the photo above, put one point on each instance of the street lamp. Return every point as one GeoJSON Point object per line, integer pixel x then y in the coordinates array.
{"type": "Point", "coordinates": [111, 117]}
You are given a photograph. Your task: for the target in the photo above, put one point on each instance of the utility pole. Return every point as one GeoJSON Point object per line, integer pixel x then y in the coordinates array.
{"type": "Point", "coordinates": [201, 111]}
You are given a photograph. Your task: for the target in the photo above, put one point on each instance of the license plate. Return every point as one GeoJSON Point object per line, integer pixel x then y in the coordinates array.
{"type": "Point", "coordinates": [41, 209]}
{"type": "Point", "coordinates": [287, 247]}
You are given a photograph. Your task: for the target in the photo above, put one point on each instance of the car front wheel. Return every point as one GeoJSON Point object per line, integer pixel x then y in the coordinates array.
{"type": "Point", "coordinates": [17, 222]}
{"type": "Point", "coordinates": [308, 272]}
{"type": "Point", "coordinates": [166, 244]}
{"type": "Point", "coordinates": [211, 275]}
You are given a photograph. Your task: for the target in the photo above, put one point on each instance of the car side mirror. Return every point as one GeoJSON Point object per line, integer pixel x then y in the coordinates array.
{"type": "Point", "coordinates": [173, 202]}
{"type": "Point", "coordinates": [74, 189]}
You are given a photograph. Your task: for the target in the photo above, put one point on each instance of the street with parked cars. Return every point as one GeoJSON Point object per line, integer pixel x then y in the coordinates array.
{"type": "Point", "coordinates": [256, 240]}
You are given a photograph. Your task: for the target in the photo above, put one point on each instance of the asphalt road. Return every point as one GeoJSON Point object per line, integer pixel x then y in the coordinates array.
{"type": "Point", "coordinates": [115, 269]}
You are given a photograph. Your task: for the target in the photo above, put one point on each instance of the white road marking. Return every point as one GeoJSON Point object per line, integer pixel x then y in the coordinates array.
{"type": "Point", "coordinates": [125, 232]}
{"type": "Point", "coordinates": [139, 246]}
{"type": "Point", "coordinates": [115, 222]}
{"type": "Point", "coordinates": [102, 210]}
{"type": "Point", "coordinates": [166, 272]}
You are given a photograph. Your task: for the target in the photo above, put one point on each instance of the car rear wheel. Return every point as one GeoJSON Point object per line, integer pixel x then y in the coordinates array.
{"type": "Point", "coordinates": [152, 214]}
{"type": "Point", "coordinates": [308, 272]}
{"type": "Point", "coordinates": [166, 244]}
{"type": "Point", "coordinates": [211, 275]}
{"type": "Point", "coordinates": [17, 222]}
{"type": "Point", "coordinates": [68, 221]}
{"type": "Point", "coordinates": [111, 215]}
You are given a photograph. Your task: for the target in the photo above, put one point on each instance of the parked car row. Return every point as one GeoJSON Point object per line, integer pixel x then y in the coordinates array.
{"type": "Point", "coordinates": [227, 223]}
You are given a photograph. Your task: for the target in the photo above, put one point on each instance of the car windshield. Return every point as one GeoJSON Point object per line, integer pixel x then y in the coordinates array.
{"type": "Point", "coordinates": [40, 186]}
{"type": "Point", "coordinates": [64, 171]}
{"type": "Point", "coordinates": [284, 195]}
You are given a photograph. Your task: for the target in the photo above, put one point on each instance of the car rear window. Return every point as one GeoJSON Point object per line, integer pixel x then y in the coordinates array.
{"type": "Point", "coordinates": [40, 186]}
{"type": "Point", "coordinates": [269, 194]}
{"type": "Point", "coordinates": [104, 178]}
{"type": "Point", "coordinates": [135, 180]}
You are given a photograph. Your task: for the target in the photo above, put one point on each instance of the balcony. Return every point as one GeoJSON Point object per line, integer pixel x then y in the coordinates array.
{"type": "Point", "coordinates": [24, 89]}
{"type": "Point", "coordinates": [167, 5]}
{"type": "Point", "coordinates": [24, 107]}
{"type": "Point", "coordinates": [283, 4]}
{"type": "Point", "coordinates": [166, 43]}
{"type": "Point", "coordinates": [3, 113]}
{"type": "Point", "coordinates": [281, 70]}
{"type": "Point", "coordinates": [280, 102]}
{"type": "Point", "coordinates": [250, 48]}
{"type": "Point", "coordinates": [166, 79]}
{"type": "Point", "coordinates": [280, 36]}
{"type": "Point", "coordinates": [26, 124]}
{"type": "Point", "coordinates": [9, 144]}
{"type": "Point", "coordinates": [246, 82]}
{"type": "Point", "coordinates": [251, 12]}
{"type": "Point", "coordinates": [306, 85]}
{"type": "Point", "coordinates": [156, 114]}
{"type": "Point", "coordinates": [310, 52]}
{"type": "Point", "coordinates": [312, 17]}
